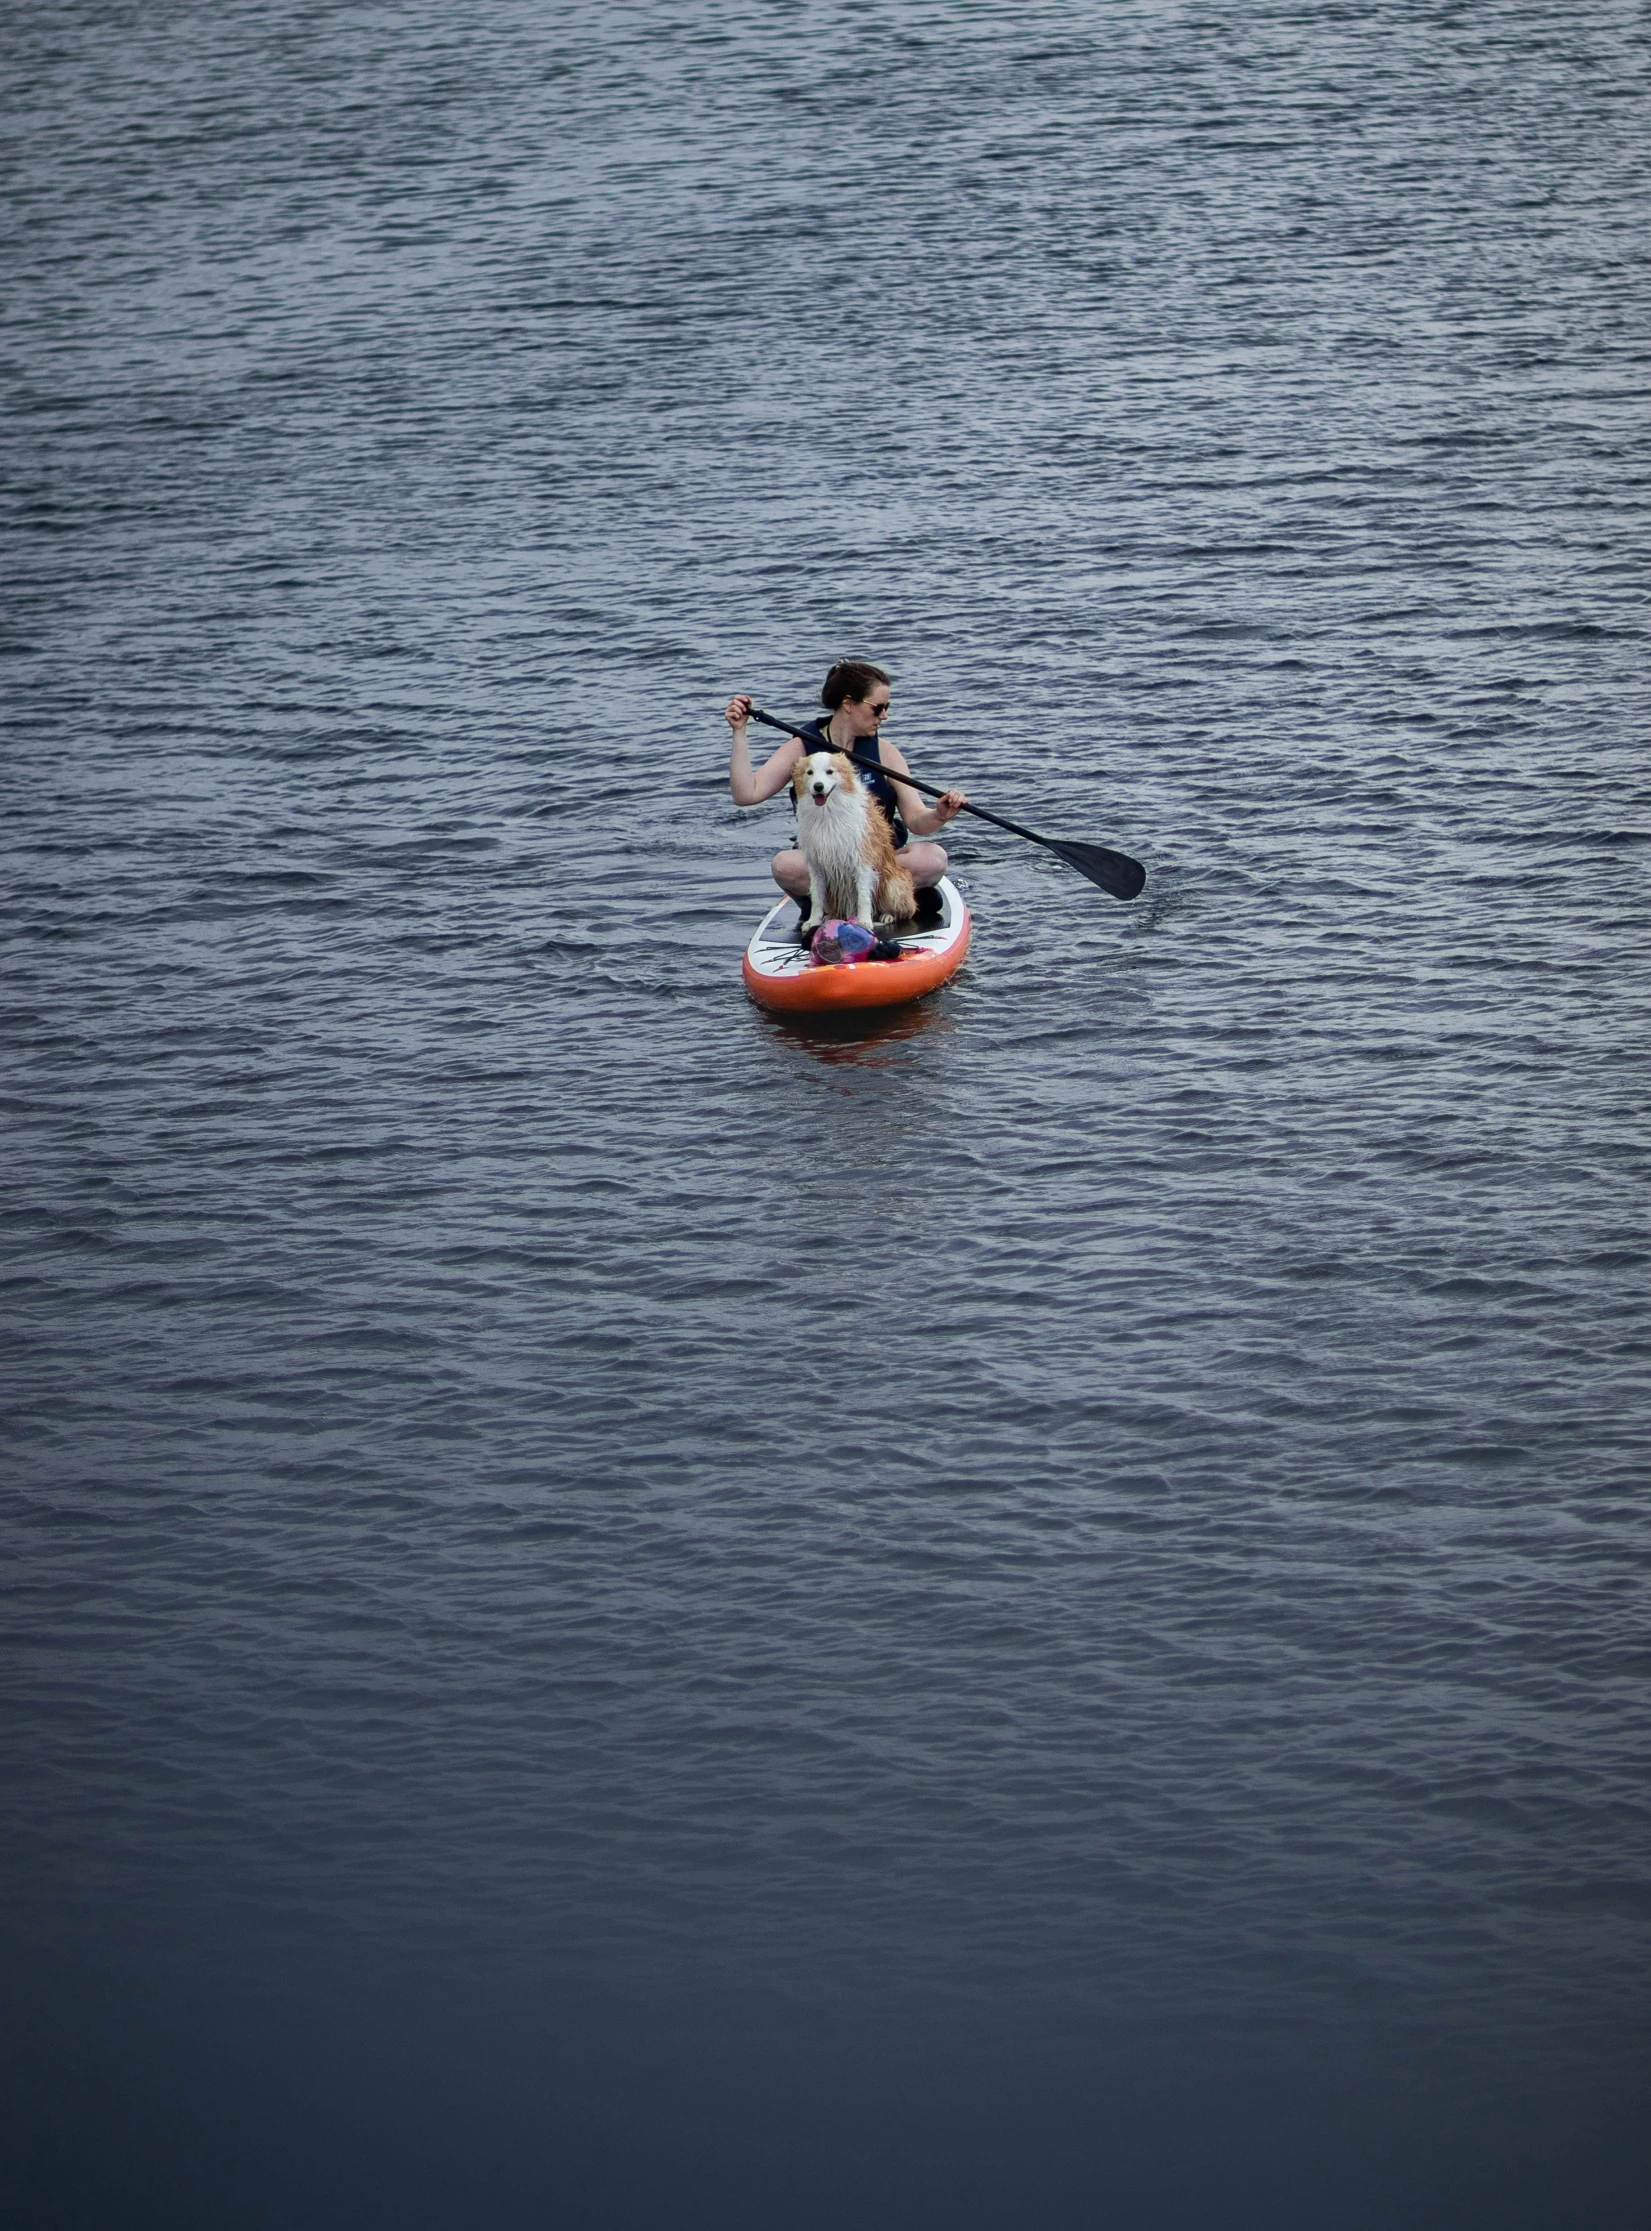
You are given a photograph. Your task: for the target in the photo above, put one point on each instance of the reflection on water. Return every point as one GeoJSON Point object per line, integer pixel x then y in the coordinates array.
{"type": "Point", "coordinates": [861, 1036]}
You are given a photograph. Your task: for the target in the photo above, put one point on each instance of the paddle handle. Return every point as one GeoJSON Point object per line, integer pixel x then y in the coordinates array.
{"type": "Point", "coordinates": [929, 789]}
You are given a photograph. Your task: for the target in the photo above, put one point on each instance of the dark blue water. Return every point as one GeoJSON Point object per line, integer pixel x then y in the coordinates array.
{"type": "Point", "coordinates": [619, 1615]}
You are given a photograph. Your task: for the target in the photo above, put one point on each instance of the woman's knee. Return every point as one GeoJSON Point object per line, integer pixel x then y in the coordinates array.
{"type": "Point", "coordinates": [790, 872]}
{"type": "Point", "coordinates": [927, 862]}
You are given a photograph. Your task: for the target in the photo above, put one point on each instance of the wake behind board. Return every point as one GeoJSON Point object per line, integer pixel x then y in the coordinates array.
{"type": "Point", "coordinates": [780, 975]}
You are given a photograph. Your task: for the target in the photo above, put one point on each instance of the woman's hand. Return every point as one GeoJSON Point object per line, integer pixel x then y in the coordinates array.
{"type": "Point", "coordinates": [948, 808]}
{"type": "Point", "coordinates": [737, 713]}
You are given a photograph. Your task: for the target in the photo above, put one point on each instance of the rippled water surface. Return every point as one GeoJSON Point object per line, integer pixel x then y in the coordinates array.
{"type": "Point", "coordinates": [621, 1614]}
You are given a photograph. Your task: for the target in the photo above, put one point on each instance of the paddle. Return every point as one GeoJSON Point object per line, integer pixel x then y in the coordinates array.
{"type": "Point", "coordinates": [1114, 872]}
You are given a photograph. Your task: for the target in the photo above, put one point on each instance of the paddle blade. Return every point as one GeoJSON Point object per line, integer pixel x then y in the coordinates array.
{"type": "Point", "coordinates": [1115, 872]}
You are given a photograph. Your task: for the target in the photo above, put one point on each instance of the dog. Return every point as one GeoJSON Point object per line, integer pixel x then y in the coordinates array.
{"type": "Point", "coordinates": [844, 836]}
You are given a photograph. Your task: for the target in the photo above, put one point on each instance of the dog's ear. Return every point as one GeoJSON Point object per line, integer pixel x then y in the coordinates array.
{"type": "Point", "coordinates": [845, 767]}
{"type": "Point", "coordinates": [799, 775]}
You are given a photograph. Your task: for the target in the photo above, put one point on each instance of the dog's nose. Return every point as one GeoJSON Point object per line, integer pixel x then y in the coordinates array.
{"type": "Point", "coordinates": [819, 790]}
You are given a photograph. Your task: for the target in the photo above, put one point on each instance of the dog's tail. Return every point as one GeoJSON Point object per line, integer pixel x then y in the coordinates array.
{"type": "Point", "coordinates": [896, 893]}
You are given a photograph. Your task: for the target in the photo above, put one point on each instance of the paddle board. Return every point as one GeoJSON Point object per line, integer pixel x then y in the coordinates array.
{"type": "Point", "coordinates": [779, 974]}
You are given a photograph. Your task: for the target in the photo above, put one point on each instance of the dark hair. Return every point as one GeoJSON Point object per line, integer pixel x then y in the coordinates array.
{"type": "Point", "coordinates": [851, 677]}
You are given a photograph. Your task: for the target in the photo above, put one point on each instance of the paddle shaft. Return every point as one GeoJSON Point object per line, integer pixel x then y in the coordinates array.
{"type": "Point", "coordinates": [1113, 872]}
{"type": "Point", "coordinates": [929, 789]}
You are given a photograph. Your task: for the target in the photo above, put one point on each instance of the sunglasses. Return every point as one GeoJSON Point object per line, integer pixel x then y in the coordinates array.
{"type": "Point", "coordinates": [877, 711]}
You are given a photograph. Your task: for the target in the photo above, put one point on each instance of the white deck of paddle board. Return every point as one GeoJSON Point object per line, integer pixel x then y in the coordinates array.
{"type": "Point", "coordinates": [775, 952]}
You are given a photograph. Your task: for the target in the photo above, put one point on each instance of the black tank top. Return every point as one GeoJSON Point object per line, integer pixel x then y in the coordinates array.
{"type": "Point", "coordinates": [875, 780]}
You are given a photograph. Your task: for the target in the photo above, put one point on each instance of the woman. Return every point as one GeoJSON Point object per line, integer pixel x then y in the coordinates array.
{"type": "Point", "coordinates": [856, 697]}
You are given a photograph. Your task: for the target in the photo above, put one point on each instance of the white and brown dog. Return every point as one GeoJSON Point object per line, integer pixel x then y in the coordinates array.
{"type": "Point", "coordinates": [843, 835]}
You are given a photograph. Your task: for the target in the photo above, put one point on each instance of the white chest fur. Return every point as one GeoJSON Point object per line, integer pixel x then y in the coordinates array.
{"type": "Point", "coordinates": [832, 833]}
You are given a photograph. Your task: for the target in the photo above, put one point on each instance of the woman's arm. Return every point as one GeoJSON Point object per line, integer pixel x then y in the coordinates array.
{"type": "Point", "coordinates": [921, 820]}
{"type": "Point", "coordinates": [750, 787]}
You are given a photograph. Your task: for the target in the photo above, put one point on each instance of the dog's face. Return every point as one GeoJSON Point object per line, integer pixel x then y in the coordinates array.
{"type": "Point", "coordinates": [819, 775]}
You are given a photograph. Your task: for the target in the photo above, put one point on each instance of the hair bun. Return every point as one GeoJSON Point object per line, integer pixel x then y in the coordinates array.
{"type": "Point", "coordinates": [851, 677]}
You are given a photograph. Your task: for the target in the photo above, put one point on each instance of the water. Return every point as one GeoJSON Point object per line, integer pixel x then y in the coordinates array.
{"type": "Point", "coordinates": [1035, 1612]}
